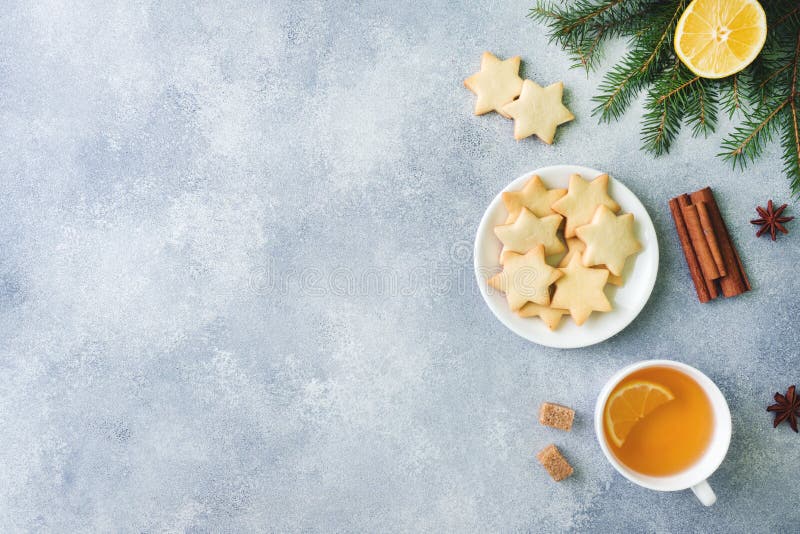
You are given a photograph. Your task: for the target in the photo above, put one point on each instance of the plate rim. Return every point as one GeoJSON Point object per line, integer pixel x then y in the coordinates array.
{"type": "Point", "coordinates": [568, 342]}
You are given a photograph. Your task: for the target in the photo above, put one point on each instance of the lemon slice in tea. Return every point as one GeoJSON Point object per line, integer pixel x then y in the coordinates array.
{"type": "Point", "coordinates": [630, 404]}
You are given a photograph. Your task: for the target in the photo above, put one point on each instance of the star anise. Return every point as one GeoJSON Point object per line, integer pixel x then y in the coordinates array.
{"type": "Point", "coordinates": [771, 220]}
{"type": "Point", "coordinates": [787, 408]}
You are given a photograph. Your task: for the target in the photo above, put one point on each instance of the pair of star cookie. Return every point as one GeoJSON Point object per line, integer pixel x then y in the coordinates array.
{"type": "Point", "coordinates": [598, 243]}
{"type": "Point", "coordinates": [536, 110]}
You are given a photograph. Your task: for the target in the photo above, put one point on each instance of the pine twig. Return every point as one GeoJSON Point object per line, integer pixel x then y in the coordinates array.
{"type": "Point", "coordinates": [764, 97]}
{"type": "Point", "coordinates": [731, 95]}
{"type": "Point", "coordinates": [583, 25]}
{"type": "Point", "coordinates": [746, 142]}
{"type": "Point", "coordinates": [668, 105]}
{"type": "Point", "coordinates": [791, 137]}
{"type": "Point", "coordinates": [639, 67]}
{"type": "Point", "coordinates": [593, 15]}
{"type": "Point", "coordinates": [794, 13]}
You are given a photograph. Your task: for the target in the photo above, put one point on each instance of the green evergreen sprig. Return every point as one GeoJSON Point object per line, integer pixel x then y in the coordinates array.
{"type": "Point", "coordinates": [763, 99]}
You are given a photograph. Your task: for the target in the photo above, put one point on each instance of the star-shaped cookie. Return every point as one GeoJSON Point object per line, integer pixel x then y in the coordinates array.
{"type": "Point", "coordinates": [526, 278]}
{"type": "Point", "coordinates": [581, 201]}
{"type": "Point", "coordinates": [528, 231]}
{"type": "Point", "coordinates": [496, 84]}
{"type": "Point", "coordinates": [580, 290]}
{"type": "Point", "coordinates": [609, 239]}
{"type": "Point", "coordinates": [576, 246]}
{"type": "Point", "coordinates": [538, 110]}
{"type": "Point", "coordinates": [535, 196]}
{"type": "Point", "coordinates": [549, 316]}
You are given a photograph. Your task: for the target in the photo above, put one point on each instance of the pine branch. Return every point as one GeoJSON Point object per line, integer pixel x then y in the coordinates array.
{"type": "Point", "coordinates": [702, 106]}
{"type": "Point", "coordinates": [770, 73]}
{"type": "Point", "coordinates": [790, 141]}
{"type": "Point", "coordinates": [651, 47]}
{"type": "Point", "coordinates": [588, 56]}
{"type": "Point", "coordinates": [730, 95]}
{"type": "Point", "coordinates": [593, 12]}
{"type": "Point", "coordinates": [581, 27]}
{"type": "Point", "coordinates": [791, 17]}
{"type": "Point", "coordinates": [776, 88]}
{"type": "Point", "coordinates": [766, 83]}
{"type": "Point", "coordinates": [677, 95]}
{"type": "Point", "coordinates": [764, 97]}
{"type": "Point", "coordinates": [665, 109]}
{"type": "Point", "coordinates": [622, 84]}
{"type": "Point", "coordinates": [747, 141]}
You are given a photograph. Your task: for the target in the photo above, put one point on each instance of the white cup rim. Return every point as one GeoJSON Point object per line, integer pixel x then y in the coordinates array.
{"type": "Point", "coordinates": [712, 458]}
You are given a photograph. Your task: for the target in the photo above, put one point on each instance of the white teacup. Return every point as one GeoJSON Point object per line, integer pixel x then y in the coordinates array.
{"type": "Point", "coordinates": [694, 477]}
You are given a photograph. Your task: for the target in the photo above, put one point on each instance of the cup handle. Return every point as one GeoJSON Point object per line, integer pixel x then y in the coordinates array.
{"type": "Point", "coordinates": [704, 492]}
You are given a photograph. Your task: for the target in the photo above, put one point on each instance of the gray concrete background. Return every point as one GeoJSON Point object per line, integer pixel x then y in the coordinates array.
{"type": "Point", "coordinates": [197, 200]}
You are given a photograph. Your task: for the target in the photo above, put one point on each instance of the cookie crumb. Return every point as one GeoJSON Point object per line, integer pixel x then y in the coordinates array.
{"type": "Point", "coordinates": [556, 416]}
{"type": "Point", "coordinates": [556, 465]}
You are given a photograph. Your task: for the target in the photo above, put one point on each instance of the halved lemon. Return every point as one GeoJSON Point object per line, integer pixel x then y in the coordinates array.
{"type": "Point", "coordinates": [630, 404]}
{"type": "Point", "coordinates": [717, 38]}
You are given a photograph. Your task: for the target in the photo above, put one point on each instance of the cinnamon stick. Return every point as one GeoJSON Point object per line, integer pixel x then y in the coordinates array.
{"type": "Point", "coordinates": [735, 281]}
{"type": "Point", "coordinates": [711, 287]}
{"type": "Point", "coordinates": [713, 261]}
{"type": "Point", "coordinates": [711, 237]}
{"type": "Point", "coordinates": [700, 243]}
{"type": "Point", "coordinates": [688, 252]}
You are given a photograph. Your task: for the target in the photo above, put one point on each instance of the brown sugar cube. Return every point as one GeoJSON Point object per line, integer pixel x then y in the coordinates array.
{"type": "Point", "coordinates": [556, 416]}
{"type": "Point", "coordinates": [555, 464]}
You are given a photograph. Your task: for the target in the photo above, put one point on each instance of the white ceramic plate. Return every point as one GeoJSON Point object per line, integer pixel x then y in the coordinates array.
{"type": "Point", "coordinates": [628, 300]}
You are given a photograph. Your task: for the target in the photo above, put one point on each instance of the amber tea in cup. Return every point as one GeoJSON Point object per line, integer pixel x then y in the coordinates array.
{"type": "Point", "coordinates": [658, 421]}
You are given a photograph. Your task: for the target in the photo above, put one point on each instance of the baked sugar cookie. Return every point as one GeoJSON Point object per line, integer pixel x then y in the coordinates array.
{"type": "Point", "coordinates": [550, 316]}
{"type": "Point", "coordinates": [496, 84]}
{"type": "Point", "coordinates": [526, 278]}
{"type": "Point", "coordinates": [609, 239]}
{"type": "Point", "coordinates": [538, 110]}
{"type": "Point", "coordinates": [581, 201]}
{"type": "Point", "coordinates": [580, 290]}
{"type": "Point", "coordinates": [505, 254]}
{"type": "Point", "coordinates": [535, 196]}
{"type": "Point", "coordinates": [576, 246]}
{"type": "Point", "coordinates": [528, 231]}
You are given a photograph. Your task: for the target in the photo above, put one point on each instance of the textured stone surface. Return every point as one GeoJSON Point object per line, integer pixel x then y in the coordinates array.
{"type": "Point", "coordinates": [236, 288]}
